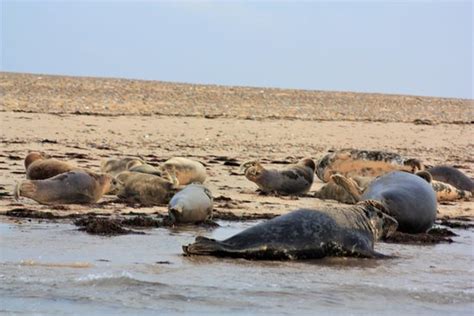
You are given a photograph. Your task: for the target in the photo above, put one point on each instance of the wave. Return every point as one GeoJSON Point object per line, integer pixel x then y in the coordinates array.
{"type": "Point", "coordinates": [109, 279]}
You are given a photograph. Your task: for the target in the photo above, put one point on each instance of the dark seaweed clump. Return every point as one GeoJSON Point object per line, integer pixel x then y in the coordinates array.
{"type": "Point", "coordinates": [103, 226]}
{"type": "Point", "coordinates": [433, 236]}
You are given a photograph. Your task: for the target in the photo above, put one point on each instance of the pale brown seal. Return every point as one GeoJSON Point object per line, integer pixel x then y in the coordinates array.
{"type": "Point", "coordinates": [146, 189]}
{"type": "Point", "coordinates": [187, 170]}
{"type": "Point", "coordinates": [354, 162]}
{"type": "Point", "coordinates": [115, 166]}
{"type": "Point", "coordinates": [38, 167]}
{"type": "Point", "coordinates": [295, 179]}
{"type": "Point", "coordinates": [73, 187]}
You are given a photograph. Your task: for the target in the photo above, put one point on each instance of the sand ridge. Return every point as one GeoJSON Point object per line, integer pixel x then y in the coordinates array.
{"type": "Point", "coordinates": [62, 94]}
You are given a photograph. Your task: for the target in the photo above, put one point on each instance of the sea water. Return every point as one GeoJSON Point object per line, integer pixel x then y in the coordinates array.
{"type": "Point", "coordinates": [54, 269]}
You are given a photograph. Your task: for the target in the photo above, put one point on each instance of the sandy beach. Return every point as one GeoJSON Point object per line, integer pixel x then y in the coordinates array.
{"type": "Point", "coordinates": [86, 120]}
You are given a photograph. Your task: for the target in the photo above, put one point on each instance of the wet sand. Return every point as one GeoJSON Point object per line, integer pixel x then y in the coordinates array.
{"type": "Point", "coordinates": [221, 144]}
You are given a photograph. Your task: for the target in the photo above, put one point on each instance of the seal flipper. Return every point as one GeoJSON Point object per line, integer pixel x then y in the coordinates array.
{"type": "Point", "coordinates": [17, 192]}
{"type": "Point", "coordinates": [373, 254]}
{"type": "Point", "coordinates": [203, 246]}
{"type": "Point", "coordinates": [349, 185]}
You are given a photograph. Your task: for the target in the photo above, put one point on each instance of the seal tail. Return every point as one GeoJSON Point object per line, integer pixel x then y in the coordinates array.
{"type": "Point", "coordinates": [24, 188]}
{"type": "Point", "coordinates": [17, 191]}
{"type": "Point", "coordinates": [203, 246]}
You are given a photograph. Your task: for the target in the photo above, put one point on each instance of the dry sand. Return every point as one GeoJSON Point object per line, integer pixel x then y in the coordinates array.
{"type": "Point", "coordinates": [86, 120]}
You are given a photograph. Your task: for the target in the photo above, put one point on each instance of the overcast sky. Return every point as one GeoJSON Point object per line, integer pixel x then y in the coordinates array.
{"type": "Point", "coordinates": [409, 47]}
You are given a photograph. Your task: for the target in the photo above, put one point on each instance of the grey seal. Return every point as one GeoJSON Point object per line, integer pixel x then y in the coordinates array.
{"type": "Point", "coordinates": [192, 204]}
{"type": "Point", "coordinates": [408, 198]}
{"type": "Point", "coordinates": [305, 234]}
{"type": "Point", "coordinates": [333, 191]}
{"type": "Point", "coordinates": [73, 187]}
{"type": "Point", "coordinates": [452, 176]}
{"type": "Point", "coordinates": [295, 179]}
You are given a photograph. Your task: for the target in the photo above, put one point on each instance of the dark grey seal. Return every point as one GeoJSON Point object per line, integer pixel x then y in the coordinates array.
{"type": "Point", "coordinates": [305, 234]}
{"type": "Point", "coordinates": [452, 176]}
{"type": "Point", "coordinates": [408, 198]}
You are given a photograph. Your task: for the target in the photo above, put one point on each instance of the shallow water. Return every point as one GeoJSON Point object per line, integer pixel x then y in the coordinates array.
{"type": "Point", "coordinates": [51, 268]}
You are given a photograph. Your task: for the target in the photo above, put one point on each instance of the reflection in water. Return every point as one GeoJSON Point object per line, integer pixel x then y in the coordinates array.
{"type": "Point", "coordinates": [54, 269]}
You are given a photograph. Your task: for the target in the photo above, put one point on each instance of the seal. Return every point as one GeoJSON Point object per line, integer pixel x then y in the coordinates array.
{"type": "Point", "coordinates": [38, 167]}
{"type": "Point", "coordinates": [408, 198]}
{"type": "Point", "coordinates": [447, 192]}
{"type": "Point", "coordinates": [295, 179]}
{"type": "Point", "coordinates": [305, 234]}
{"type": "Point", "coordinates": [187, 170]}
{"type": "Point", "coordinates": [146, 168]}
{"type": "Point", "coordinates": [73, 187]}
{"type": "Point", "coordinates": [353, 162]}
{"type": "Point", "coordinates": [453, 177]}
{"type": "Point", "coordinates": [192, 204]}
{"type": "Point", "coordinates": [333, 191]}
{"type": "Point", "coordinates": [146, 189]}
{"type": "Point", "coordinates": [115, 166]}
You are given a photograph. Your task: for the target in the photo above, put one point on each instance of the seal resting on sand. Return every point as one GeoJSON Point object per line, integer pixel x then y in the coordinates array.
{"type": "Point", "coordinates": [305, 234]}
{"type": "Point", "coordinates": [73, 187]}
{"type": "Point", "coordinates": [192, 204]}
{"type": "Point", "coordinates": [146, 168]}
{"type": "Point", "coordinates": [408, 198]}
{"type": "Point", "coordinates": [38, 167]}
{"type": "Point", "coordinates": [115, 166]}
{"type": "Point", "coordinates": [333, 191]}
{"type": "Point", "coordinates": [448, 192]}
{"type": "Point", "coordinates": [295, 179]}
{"type": "Point", "coordinates": [187, 170]}
{"type": "Point", "coordinates": [452, 176]}
{"type": "Point", "coordinates": [146, 189]}
{"type": "Point", "coordinates": [354, 162]}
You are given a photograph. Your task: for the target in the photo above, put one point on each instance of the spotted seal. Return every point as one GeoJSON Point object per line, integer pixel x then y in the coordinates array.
{"type": "Point", "coordinates": [146, 189]}
{"type": "Point", "coordinates": [453, 177]}
{"type": "Point", "coordinates": [116, 166]}
{"type": "Point", "coordinates": [73, 187]}
{"type": "Point", "coordinates": [38, 167]}
{"type": "Point", "coordinates": [192, 204]}
{"type": "Point", "coordinates": [305, 234]}
{"type": "Point", "coordinates": [187, 170]}
{"type": "Point", "coordinates": [295, 179]}
{"type": "Point", "coordinates": [448, 192]}
{"type": "Point", "coordinates": [408, 198]}
{"type": "Point", "coordinates": [354, 162]}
